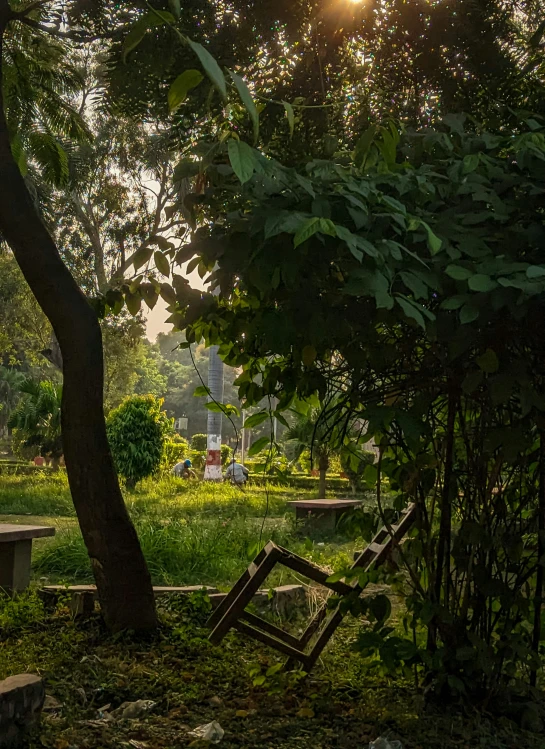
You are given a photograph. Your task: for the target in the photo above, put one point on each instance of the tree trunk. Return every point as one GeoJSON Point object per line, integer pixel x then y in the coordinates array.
{"type": "Point", "coordinates": [323, 465]}
{"type": "Point", "coordinates": [212, 470]}
{"type": "Point", "coordinates": [121, 574]}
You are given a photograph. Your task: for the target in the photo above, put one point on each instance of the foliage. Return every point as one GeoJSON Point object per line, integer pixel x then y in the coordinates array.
{"type": "Point", "coordinates": [137, 430]}
{"type": "Point", "coordinates": [409, 281]}
{"type": "Point", "coordinates": [354, 461]}
{"type": "Point", "coordinates": [174, 450]}
{"type": "Point", "coordinates": [37, 417]}
{"type": "Point", "coordinates": [226, 454]}
{"type": "Point", "coordinates": [198, 442]}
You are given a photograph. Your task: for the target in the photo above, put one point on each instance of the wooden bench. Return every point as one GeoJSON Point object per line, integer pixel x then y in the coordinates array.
{"type": "Point", "coordinates": [16, 554]}
{"type": "Point", "coordinates": [306, 649]}
{"type": "Point", "coordinates": [322, 514]}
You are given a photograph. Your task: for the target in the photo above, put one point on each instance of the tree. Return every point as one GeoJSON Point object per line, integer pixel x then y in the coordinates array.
{"type": "Point", "coordinates": [136, 433]}
{"type": "Point", "coordinates": [10, 383]}
{"type": "Point", "coordinates": [412, 281]}
{"type": "Point", "coordinates": [37, 418]}
{"type": "Point", "coordinates": [311, 432]}
{"type": "Point", "coordinates": [123, 581]}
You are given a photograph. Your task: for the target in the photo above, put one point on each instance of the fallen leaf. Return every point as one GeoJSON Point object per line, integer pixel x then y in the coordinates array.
{"type": "Point", "coordinates": [242, 713]}
{"type": "Point", "coordinates": [305, 712]}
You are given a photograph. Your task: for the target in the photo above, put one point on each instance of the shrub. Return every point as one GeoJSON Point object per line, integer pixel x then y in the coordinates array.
{"type": "Point", "coordinates": [174, 450]}
{"type": "Point", "coordinates": [226, 454]}
{"type": "Point", "coordinates": [198, 442]}
{"type": "Point", "coordinates": [136, 432]}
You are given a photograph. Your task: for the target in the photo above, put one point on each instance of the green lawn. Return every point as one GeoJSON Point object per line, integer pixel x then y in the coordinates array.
{"type": "Point", "coordinates": [205, 533]}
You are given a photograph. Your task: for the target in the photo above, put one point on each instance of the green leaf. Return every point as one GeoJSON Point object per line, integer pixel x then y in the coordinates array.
{"type": "Point", "coordinates": [310, 226]}
{"type": "Point", "coordinates": [200, 391]}
{"type": "Point", "coordinates": [290, 114]}
{"type": "Point", "coordinates": [488, 361]}
{"type": "Point", "coordinates": [415, 284]}
{"type": "Point", "coordinates": [535, 271]}
{"type": "Point", "coordinates": [211, 67]}
{"type": "Point", "coordinates": [411, 311]}
{"type": "Point", "coordinates": [468, 314]}
{"type": "Point", "coordinates": [363, 145]}
{"type": "Point", "coordinates": [256, 419]}
{"type": "Point", "coordinates": [434, 243]}
{"type": "Point", "coordinates": [161, 263]}
{"type": "Point", "coordinates": [142, 256]}
{"type": "Point", "coordinates": [458, 273]}
{"type": "Point", "coordinates": [175, 8]}
{"type": "Point", "coordinates": [328, 227]}
{"type": "Point", "coordinates": [258, 446]}
{"type": "Point", "coordinates": [308, 355]}
{"type": "Point", "coordinates": [133, 302]}
{"type": "Point", "coordinates": [454, 302]}
{"type": "Point", "coordinates": [471, 162]}
{"type": "Point", "coordinates": [183, 84]}
{"type": "Point", "coordinates": [242, 159]}
{"type": "Point", "coordinates": [247, 100]}
{"type": "Point", "coordinates": [481, 282]}
{"type": "Point", "coordinates": [140, 28]}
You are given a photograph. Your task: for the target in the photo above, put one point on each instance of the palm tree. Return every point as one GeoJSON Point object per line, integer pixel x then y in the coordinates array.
{"type": "Point", "coordinates": [37, 417]}
{"type": "Point", "coordinates": [311, 432]}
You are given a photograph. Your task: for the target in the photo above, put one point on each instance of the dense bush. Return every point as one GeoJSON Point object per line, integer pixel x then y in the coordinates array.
{"type": "Point", "coordinates": [136, 431]}
{"type": "Point", "coordinates": [226, 454]}
{"type": "Point", "coordinates": [175, 449]}
{"type": "Point", "coordinates": [198, 442]}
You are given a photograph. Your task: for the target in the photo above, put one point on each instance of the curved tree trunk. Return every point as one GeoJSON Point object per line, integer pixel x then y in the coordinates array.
{"type": "Point", "coordinates": [121, 574]}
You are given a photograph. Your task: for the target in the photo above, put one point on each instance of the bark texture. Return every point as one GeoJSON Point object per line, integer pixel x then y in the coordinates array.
{"type": "Point", "coordinates": [121, 574]}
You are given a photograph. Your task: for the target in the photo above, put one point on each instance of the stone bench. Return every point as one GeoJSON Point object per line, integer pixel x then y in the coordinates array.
{"type": "Point", "coordinates": [322, 515]}
{"type": "Point", "coordinates": [16, 554]}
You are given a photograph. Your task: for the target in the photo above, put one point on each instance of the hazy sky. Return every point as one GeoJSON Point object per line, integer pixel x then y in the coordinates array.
{"type": "Point", "coordinates": [155, 319]}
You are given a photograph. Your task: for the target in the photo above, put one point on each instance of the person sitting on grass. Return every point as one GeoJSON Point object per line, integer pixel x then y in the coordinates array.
{"type": "Point", "coordinates": [236, 473]}
{"type": "Point", "coordinates": [183, 470]}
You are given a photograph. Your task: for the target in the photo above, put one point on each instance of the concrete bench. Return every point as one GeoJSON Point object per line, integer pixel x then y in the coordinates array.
{"type": "Point", "coordinates": [322, 514]}
{"type": "Point", "coordinates": [16, 553]}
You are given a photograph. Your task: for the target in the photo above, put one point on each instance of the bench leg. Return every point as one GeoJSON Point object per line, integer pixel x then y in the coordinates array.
{"type": "Point", "coordinates": [15, 565]}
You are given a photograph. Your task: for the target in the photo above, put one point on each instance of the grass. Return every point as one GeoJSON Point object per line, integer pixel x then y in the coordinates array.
{"type": "Point", "coordinates": [205, 533]}
{"type": "Point", "coordinates": [339, 706]}
{"type": "Point", "coordinates": [190, 533]}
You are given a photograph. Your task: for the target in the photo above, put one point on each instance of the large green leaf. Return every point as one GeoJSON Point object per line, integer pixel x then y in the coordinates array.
{"type": "Point", "coordinates": [181, 87]}
{"type": "Point", "coordinates": [256, 419]}
{"type": "Point", "coordinates": [481, 282]}
{"type": "Point", "coordinates": [411, 311]}
{"type": "Point", "coordinates": [161, 263]}
{"type": "Point", "coordinates": [258, 446]}
{"type": "Point", "coordinates": [242, 159]}
{"type": "Point", "coordinates": [458, 273]}
{"type": "Point", "coordinates": [535, 271]}
{"type": "Point", "coordinates": [142, 256]}
{"type": "Point", "coordinates": [247, 100]}
{"type": "Point", "coordinates": [211, 67]}
{"type": "Point", "coordinates": [310, 227]}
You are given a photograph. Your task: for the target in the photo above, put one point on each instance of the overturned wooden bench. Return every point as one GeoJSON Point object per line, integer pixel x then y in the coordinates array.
{"type": "Point", "coordinates": [82, 598]}
{"type": "Point", "coordinates": [306, 649]}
